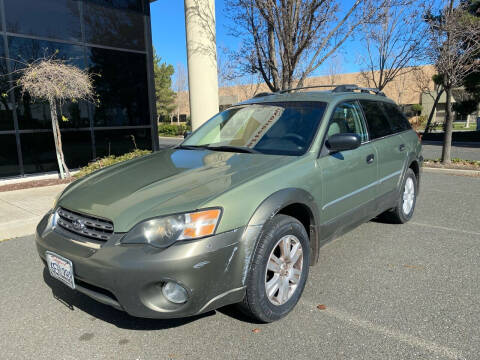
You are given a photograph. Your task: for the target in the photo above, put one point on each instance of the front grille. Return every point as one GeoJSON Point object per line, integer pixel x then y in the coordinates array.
{"type": "Point", "coordinates": [88, 226]}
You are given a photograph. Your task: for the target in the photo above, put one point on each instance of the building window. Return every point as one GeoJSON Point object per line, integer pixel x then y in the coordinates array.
{"type": "Point", "coordinates": [121, 141]}
{"type": "Point", "coordinates": [113, 27]}
{"type": "Point", "coordinates": [56, 19]}
{"type": "Point", "coordinates": [8, 156]}
{"type": "Point", "coordinates": [107, 37]}
{"type": "Point", "coordinates": [123, 98]}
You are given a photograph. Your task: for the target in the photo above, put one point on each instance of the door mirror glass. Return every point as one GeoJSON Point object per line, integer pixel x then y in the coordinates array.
{"type": "Point", "coordinates": [343, 142]}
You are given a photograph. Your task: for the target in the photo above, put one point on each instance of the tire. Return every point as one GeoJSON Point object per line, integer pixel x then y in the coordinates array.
{"type": "Point", "coordinates": [403, 212]}
{"type": "Point", "coordinates": [280, 230]}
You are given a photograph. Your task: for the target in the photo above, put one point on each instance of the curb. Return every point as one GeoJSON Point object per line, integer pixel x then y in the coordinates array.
{"type": "Point", "coordinates": [452, 171]}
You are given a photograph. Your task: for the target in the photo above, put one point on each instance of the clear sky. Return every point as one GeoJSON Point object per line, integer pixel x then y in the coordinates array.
{"type": "Point", "coordinates": [168, 32]}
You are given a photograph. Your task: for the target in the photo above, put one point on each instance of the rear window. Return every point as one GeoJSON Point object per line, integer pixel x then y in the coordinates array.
{"type": "Point", "coordinates": [398, 121]}
{"type": "Point", "coordinates": [378, 124]}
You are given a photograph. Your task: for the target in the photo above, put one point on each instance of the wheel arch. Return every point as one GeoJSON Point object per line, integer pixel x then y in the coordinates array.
{"type": "Point", "coordinates": [294, 202]}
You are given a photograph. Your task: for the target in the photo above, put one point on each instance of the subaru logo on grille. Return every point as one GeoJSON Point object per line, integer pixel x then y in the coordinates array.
{"type": "Point", "coordinates": [78, 224]}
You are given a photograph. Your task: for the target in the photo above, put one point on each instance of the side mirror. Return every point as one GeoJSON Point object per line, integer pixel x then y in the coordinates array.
{"type": "Point", "coordinates": [343, 142]}
{"type": "Point", "coordinates": [187, 134]}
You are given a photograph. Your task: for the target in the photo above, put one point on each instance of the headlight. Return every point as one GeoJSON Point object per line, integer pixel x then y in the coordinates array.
{"type": "Point", "coordinates": [164, 231]}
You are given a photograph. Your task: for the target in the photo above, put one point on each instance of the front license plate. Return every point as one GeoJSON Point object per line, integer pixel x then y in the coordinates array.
{"type": "Point", "coordinates": [60, 268]}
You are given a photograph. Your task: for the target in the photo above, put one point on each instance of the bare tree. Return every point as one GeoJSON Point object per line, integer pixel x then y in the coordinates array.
{"type": "Point", "coordinates": [334, 68]}
{"type": "Point", "coordinates": [452, 55]}
{"type": "Point", "coordinates": [423, 83]}
{"type": "Point", "coordinates": [394, 44]}
{"type": "Point", "coordinates": [181, 80]}
{"type": "Point", "coordinates": [56, 81]}
{"type": "Point", "coordinates": [286, 41]}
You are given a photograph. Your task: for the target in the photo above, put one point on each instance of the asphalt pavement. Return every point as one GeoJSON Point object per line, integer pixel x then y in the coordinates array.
{"type": "Point", "coordinates": [389, 292]}
{"type": "Point", "coordinates": [465, 151]}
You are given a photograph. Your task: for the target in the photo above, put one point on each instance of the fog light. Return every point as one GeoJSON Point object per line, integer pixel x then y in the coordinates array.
{"type": "Point", "coordinates": [174, 292]}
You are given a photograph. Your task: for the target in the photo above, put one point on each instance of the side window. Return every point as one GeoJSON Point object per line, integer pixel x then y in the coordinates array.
{"type": "Point", "coordinates": [346, 119]}
{"type": "Point", "coordinates": [398, 121]}
{"type": "Point", "coordinates": [378, 124]}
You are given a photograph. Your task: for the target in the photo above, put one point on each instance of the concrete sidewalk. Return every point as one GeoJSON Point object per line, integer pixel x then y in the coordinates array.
{"type": "Point", "coordinates": [21, 210]}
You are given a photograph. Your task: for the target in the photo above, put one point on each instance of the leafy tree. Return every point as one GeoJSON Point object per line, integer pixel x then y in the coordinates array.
{"type": "Point", "coordinates": [164, 94]}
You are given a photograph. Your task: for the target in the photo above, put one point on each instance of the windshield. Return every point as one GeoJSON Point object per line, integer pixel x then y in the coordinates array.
{"type": "Point", "coordinates": [286, 128]}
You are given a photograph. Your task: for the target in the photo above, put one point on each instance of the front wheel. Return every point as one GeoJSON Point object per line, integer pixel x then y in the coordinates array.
{"type": "Point", "coordinates": [279, 270]}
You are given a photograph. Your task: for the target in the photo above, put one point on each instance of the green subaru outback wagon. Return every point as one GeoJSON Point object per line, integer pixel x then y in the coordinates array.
{"type": "Point", "coordinates": [238, 212]}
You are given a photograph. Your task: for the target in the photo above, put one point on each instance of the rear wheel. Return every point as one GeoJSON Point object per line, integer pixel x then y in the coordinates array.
{"type": "Point", "coordinates": [279, 270]}
{"type": "Point", "coordinates": [403, 211]}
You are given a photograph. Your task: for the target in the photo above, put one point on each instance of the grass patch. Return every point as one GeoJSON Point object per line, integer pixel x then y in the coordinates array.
{"type": "Point", "coordinates": [108, 161]}
{"type": "Point", "coordinates": [455, 164]}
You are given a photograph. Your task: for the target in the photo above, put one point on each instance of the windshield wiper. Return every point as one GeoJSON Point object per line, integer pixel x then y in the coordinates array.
{"type": "Point", "coordinates": [192, 147]}
{"type": "Point", "coordinates": [239, 149]}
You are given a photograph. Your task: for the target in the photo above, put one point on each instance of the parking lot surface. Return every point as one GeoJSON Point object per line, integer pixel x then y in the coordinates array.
{"type": "Point", "coordinates": [467, 151]}
{"type": "Point", "coordinates": [388, 292]}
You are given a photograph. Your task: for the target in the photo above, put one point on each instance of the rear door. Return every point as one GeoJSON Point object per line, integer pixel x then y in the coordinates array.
{"type": "Point", "coordinates": [347, 177]}
{"type": "Point", "coordinates": [385, 134]}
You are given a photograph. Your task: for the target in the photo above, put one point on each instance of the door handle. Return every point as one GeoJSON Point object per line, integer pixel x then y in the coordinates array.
{"type": "Point", "coordinates": [370, 158]}
{"type": "Point", "coordinates": [401, 147]}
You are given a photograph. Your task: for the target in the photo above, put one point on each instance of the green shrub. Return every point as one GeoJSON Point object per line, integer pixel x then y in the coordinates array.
{"type": "Point", "coordinates": [417, 108]}
{"type": "Point", "coordinates": [171, 129]}
{"type": "Point", "coordinates": [109, 160]}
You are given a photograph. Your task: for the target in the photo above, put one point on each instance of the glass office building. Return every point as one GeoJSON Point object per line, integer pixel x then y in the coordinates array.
{"type": "Point", "coordinates": [110, 38]}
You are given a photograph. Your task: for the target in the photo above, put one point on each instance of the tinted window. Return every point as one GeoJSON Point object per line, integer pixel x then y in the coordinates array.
{"type": "Point", "coordinates": [121, 87]}
{"type": "Point", "coordinates": [58, 19]}
{"type": "Point", "coordinates": [108, 26]}
{"type": "Point", "coordinates": [398, 121]}
{"type": "Point", "coordinates": [347, 119]}
{"type": "Point", "coordinates": [34, 113]}
{"type": "Point", "coordinates": [285, 128]}
{"type": "Point", "coordinates": [117, 142]}
{"type": "Point", "coordinates": [377, 122]}
{"type": "Point", "coordinates": [6, 118]}
{"type": "Point", "coordinates": [38, 150]}
{"type": "Point", "coordinates": [120, 4]}
{"type": "Point", "coordinates": [8, 156]}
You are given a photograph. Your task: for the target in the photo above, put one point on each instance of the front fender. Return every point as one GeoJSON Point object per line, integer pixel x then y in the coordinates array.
{"type": "Point", "coordinates": [267, 210]}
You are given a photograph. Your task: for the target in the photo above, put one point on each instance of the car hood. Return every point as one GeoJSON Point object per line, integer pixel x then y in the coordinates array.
{"type": "Point", "coordinates": [165, 182]}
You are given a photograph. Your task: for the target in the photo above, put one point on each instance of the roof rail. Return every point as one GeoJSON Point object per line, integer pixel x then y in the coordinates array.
{"type": "Point", "coordinates": [305, 87]}
{"type": "Point", "coordinates": [262, 94]}
{"type": "Point", "coordinates": [336, 89]}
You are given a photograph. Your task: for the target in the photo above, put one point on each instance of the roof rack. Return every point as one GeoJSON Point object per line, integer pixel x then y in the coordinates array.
{"type": "Point", "coordinates": [336, 89]}
{"type": "Point", "coordinates": [353, 87]}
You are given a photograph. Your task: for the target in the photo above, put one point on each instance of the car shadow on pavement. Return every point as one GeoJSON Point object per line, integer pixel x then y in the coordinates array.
{"type": "Point", "coordinates": [76, 300]}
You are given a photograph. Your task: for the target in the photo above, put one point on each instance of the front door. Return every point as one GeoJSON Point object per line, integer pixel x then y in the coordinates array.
{"type": "Point", "coordinates": [348, 177]}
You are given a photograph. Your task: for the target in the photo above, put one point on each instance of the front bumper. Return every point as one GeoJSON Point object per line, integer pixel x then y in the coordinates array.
{"type": "Point", "coordinates": [129, 277]}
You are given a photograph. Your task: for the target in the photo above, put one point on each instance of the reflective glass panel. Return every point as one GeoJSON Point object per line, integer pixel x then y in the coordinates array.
{"type": "Point", "coordinates": [121, 88]}
{"type": "Point", "coordinates": [56, 19]}
{"type": "Point", "coordinates": [34, 113]}
{"type": "Point", "coordinates": [118, 142]}
{"type": "Point", "coordinates": [38, 150]}
{"type": "Point", "coordinates": [105, 25]}
{"type": "Point", "coordinates": [6, 118]}
{"type": "Point", "coordinates": [8, 156]}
